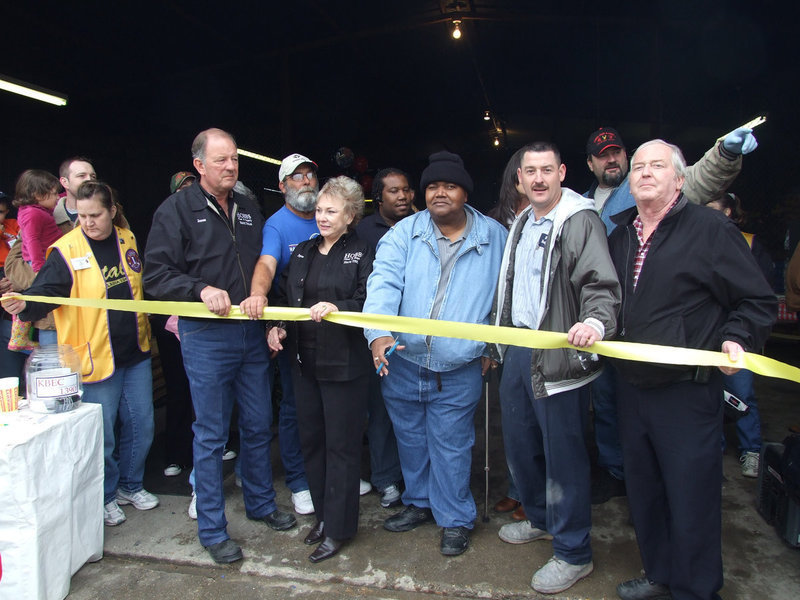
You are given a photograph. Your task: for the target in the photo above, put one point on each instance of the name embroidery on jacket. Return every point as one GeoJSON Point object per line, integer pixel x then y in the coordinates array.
{"type": "Point", "coordinates": [352, 258]}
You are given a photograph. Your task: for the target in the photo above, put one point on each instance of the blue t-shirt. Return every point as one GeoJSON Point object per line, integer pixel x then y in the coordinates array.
{"type": "Point", "coordinates": [282, 232]}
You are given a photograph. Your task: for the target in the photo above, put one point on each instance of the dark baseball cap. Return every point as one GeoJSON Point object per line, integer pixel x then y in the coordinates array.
{"type": "Point", "coordinates": [605, 137]}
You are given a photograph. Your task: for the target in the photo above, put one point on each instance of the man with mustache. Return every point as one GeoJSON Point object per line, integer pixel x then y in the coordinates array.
{"type": "Point", "coordinates": [556, 275]}
{"type": "Point", "coordinates": [608, 161]}
{"type": "Point", "coordinates": [283, 231]}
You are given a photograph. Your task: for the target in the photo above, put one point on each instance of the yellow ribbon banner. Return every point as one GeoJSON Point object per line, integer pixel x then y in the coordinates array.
{"type": "Point", "coordinates": [492, 334]}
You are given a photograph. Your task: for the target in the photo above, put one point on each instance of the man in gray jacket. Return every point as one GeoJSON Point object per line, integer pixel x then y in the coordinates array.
{"type": "Point", "coordinates": [556, 276]}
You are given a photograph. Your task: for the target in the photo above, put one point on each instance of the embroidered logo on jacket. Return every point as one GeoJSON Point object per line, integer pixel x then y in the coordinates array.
{"type": "Point", "coordinates": [245, 218]}
{"type": "Point", "coordinates": [352, 258]}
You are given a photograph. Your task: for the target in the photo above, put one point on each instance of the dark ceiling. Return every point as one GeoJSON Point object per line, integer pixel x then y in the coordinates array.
{"type": "Point", "coordinates": [386, 80]}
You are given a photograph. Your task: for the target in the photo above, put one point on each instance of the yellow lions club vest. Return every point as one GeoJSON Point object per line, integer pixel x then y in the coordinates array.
{"type": "Point", "coordinates": [86, 329]}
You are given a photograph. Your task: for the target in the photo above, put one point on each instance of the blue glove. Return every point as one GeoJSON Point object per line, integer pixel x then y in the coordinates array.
{"type": "Point", "coordinates": [740, 141]}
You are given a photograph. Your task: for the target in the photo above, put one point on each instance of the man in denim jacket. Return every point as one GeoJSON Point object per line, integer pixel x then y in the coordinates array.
{"type": "Point", "coordinates": [441, 263]}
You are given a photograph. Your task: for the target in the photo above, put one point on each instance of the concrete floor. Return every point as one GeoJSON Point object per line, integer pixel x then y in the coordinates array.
{"type": "Point", "coordinates": [156, 553]}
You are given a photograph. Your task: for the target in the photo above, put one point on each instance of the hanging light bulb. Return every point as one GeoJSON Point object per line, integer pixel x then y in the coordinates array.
{"type": "Point", "coordinates": [496, 141]}
{"type": "Point", "coordinates": [487, 116]}
{"type": "Point", "coordinates": [456, 29]}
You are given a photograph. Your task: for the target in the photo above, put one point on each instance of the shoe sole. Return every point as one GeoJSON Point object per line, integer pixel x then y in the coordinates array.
{"type": "Point", "coordinates": [404, 528]}
{"type": "Point", "coordinates": [518, 541]}
{"type": "Point", "coordinates": [279, 527]}
{"type": "Point", "coordinates": [556, 590]}
{"type": "Point", "coordinates": [304, 511]}
{"type": "Point", "coordinates": [454, 551]}
{"type": "Point", "coordinates": [659, 597]}
{"type": "Point", "coordinates": [114, 523]}
{"type": "Point", "coordinates": [123, 502]}
{"type": "Point", "coordinates": [226, 560]}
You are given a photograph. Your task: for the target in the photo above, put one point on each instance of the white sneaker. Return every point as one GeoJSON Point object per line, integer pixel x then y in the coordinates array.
{"type": "Point", "coordinates": [228, 454]}
{"type": "Point", "coordinates": [193, 507]}
{"type": "Point", "coordinates": [390, 496]}
{"type": "Point", "coordinates": [173, 470]}
{"type": "Point", "coordinates": [141, 500]}
{"type": "Point", "coordinates": [364, 487]}
{"type": "Point", "coordinates": [558, 575]}
{"type": "Point", "coordinates": [749, 461]}
{"type": "Point", "coordinates": [112, 514]}
{"type": "Point", "coordinates": [522, 532]}
{"type": "Point", "coordinates": [303, 505]}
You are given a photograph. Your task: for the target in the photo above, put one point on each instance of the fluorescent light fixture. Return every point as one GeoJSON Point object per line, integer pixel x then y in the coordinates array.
{"type": "Point", "coordinates": [15, 86]}
{"type": "Point", "coordinates": [260, 157]}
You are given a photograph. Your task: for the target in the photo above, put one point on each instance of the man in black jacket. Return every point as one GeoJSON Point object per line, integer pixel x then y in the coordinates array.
{"type": "Point", "coordinates": [203, 246]}
{"type": "Point", "coordinates": [393, 200]}
{"type": "Point", "coordinates": [688, 280]}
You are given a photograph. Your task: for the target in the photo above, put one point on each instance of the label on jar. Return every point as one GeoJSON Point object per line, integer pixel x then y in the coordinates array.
{"type": "Point", "coordinates": [56, 385]}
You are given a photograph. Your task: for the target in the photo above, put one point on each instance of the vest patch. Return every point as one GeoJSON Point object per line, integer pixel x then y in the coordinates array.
{"type": "Point", "coordinates": [133, 260]}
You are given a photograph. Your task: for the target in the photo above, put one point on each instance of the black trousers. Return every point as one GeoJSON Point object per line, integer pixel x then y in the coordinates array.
{"type": "Point", "coordinates": [331, 417]}
{"type": "Point", "coordinates": [673, 472]}
{"type": "Point", "coordinates": [180, 416]}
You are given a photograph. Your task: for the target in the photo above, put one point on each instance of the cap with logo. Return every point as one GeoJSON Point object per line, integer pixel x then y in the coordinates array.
{"type": "Point", "coordinates": [605, 137]}
{"type": "Point", "coordinates": [290, 164]}
{"type": "Point", "coordinates": [179, 179]}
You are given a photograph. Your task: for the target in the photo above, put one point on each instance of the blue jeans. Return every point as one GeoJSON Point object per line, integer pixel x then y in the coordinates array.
{"type": "Point", "coordinates": [748, 428]}
{"type": "Point", "coordinates": [606, 428]}
{"type": "Point", "coordinates": [288, 435]}
{"type": "Point", "coordinates": [127, 401]}
{"type": "Point", "coordinates": [432, 414]}
{"type": "Point", "coordinates": [546, 451]}
{"type": "Point", "coordinates": [228, 362]}
{"type": "Point", "coordinates": [383, 458]}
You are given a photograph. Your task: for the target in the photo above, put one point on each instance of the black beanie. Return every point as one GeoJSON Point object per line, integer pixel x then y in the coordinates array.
{"type": "Point", "coordinates": [446, 166]}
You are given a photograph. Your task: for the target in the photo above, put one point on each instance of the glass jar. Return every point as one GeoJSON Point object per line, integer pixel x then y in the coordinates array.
{"type": "Point", "coordinates": [53, 377]}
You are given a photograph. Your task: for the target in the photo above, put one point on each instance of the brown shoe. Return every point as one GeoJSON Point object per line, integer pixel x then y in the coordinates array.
{"type": "Point", "coordinates": [506, 505]}
{"type": "Point", "coordinates": [519, 514]}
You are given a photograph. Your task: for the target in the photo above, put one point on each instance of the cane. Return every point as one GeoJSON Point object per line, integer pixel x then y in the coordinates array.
{"type": "Point", "coordinates": [486, 448]}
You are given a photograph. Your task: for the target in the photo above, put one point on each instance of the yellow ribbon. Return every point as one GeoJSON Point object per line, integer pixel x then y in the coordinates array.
{"type": "Point", "coordinates": [511, 336]}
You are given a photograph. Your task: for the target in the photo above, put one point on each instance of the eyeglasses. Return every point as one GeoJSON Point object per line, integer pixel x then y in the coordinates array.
{"type": "Point", "coordinates": [298, 177]}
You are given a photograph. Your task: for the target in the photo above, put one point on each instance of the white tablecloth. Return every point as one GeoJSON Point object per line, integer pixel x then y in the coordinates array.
{"type": "Point", "coordinates": [51, 500]}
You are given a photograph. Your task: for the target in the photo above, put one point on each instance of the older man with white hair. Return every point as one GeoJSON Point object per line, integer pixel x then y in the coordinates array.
{"type": "Point", "coordinates": [688, 280]}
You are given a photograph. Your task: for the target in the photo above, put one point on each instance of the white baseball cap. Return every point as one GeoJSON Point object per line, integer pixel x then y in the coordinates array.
{"type": "Point", "coordinates": [290, 164]}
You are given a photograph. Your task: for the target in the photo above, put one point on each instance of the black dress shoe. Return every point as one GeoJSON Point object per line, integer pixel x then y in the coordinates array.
{"type": "Point", "coordinates": [605, 486]}
{"type": "Point", "coordinates": [455, 540]}
{"type": "Point", "coordinates": [329, 547]}
{"type": "Point", "coordinates": [643, 589]}
{"type": "Point", "coordinates": [407, 519]}
{"type": "Point", "coordinates": [315, 535]}
{"type": "Point", "coordinates": [279, 520]}
{"type": "Point", "coordinates": [225, 552]}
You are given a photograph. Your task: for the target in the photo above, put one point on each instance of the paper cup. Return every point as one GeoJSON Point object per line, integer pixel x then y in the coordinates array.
{"type": "Point", "coordinates": [9, 394]}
